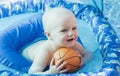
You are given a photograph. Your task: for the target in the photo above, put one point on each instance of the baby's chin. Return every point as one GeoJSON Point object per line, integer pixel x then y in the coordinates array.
{"type": "Point", "coordinates": [70, 45]}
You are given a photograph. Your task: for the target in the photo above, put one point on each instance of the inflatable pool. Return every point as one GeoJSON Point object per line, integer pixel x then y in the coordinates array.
{"type": "Point", "coordinates": [20, 25]}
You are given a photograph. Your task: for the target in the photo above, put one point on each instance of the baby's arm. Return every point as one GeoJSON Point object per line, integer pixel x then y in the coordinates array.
{"type": "Point", "coordinates": [42, 60]}
{"type": "Point", "coordinates": [38, 66]}
{"type": "Point", "coordinates": [87, 55]}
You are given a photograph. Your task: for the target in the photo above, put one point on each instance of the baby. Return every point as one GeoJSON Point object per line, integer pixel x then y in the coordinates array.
{"type": "Point", "coordinates": [61, 30]}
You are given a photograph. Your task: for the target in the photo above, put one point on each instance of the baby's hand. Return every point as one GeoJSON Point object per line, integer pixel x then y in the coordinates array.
{"type": "Point", "coordinates": [58, 67]}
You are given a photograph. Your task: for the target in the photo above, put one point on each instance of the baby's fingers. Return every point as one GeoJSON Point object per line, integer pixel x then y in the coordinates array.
{"type": "Point", "coordinates": [59, 62]}
{"type": "Point", "coordinates": [64, 70]}
{"type": "Point", "coordinates": [61, 65]}
{"type": "Point", "coordinates": [52, 61]}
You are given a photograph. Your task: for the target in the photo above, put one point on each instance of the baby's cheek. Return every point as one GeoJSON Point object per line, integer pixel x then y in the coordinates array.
{"type": "Point", "coordinates": [76, 37]}
{"type": "Point", "coordinates": [76, 34]}
{"type": "Point", "coordinates": [64, 39]}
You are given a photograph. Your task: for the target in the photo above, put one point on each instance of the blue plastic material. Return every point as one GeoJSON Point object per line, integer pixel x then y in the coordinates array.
{"type": "Point", "coordinates": [18, 36]}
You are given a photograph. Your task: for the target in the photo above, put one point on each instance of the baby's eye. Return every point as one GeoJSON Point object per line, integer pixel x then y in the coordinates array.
{"type": "Point", "coordinates": [64, 30]}
{"type": "Point", "coordinates": [74, 28]}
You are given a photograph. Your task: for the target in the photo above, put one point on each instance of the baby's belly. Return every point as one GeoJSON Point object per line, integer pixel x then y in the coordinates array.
{"type": "Point", "coordinates": [32, 50]}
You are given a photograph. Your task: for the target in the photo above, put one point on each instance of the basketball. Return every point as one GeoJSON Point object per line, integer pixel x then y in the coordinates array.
{"type": "Point", "coordinates": [70, 56]}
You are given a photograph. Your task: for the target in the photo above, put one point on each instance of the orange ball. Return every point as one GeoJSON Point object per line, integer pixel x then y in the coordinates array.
{"type": "Point", "coordinates": [70, 56]}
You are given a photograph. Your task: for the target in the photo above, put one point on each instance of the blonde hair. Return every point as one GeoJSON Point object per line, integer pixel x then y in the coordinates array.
{"type": "Point", "coordinates": [53, 15]}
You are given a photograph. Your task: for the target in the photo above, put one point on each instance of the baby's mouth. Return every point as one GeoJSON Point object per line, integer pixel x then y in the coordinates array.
{"type": "Point", "coordinates": [70, 39]}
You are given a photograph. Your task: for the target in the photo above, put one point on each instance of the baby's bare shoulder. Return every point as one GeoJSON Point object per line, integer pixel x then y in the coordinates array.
{"type": "Point", "coordinates": [36, 48]}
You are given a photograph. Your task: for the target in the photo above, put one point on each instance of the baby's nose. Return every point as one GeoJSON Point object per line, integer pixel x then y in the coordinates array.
{"type": "Point", "coordinates": [70, 33]}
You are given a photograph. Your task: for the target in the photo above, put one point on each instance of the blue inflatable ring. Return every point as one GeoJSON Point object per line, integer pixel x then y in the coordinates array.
{"type": "Point", "coordinates": [18, 36]}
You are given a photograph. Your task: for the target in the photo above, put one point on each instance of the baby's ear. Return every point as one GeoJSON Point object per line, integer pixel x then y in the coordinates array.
{"type": "Point", "coordinates": [47, 34]}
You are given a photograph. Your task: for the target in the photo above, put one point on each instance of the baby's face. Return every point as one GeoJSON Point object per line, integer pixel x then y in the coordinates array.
{"type": "Point", "coordinates": [65, 32]}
